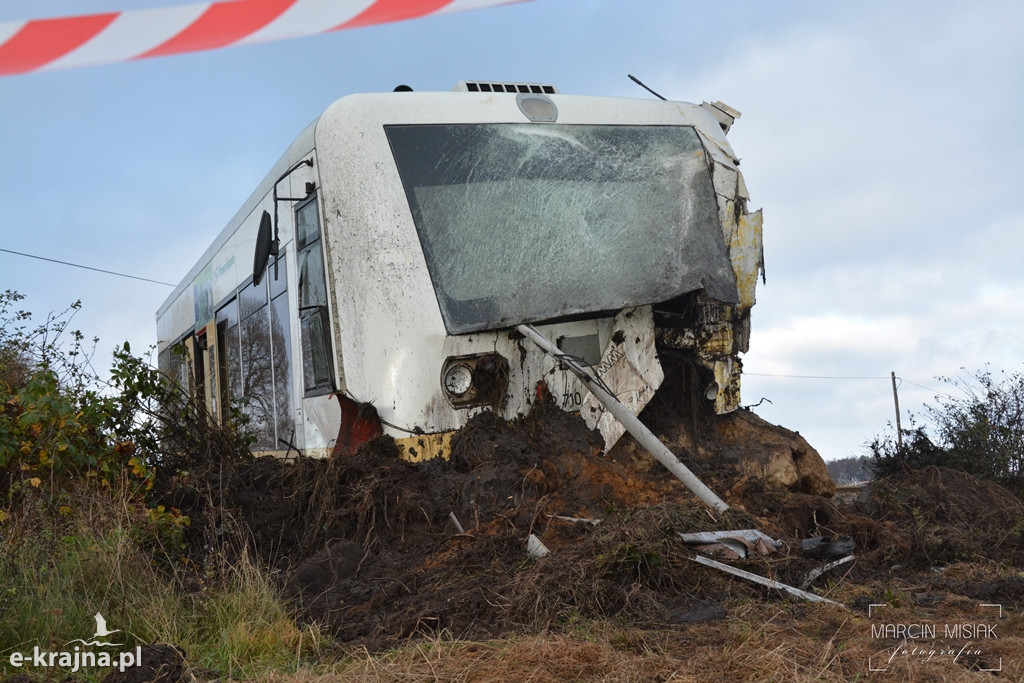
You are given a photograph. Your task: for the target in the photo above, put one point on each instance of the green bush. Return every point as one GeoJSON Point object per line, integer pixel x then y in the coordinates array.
{"type": "Point", "coordinates": [55, 574]}
{"type": "Point", "coordinates": [61, 424]}
{"type": "Point", "coordinates": [978, 428]}
{"type": "Point", "coordinates": [53, 422]}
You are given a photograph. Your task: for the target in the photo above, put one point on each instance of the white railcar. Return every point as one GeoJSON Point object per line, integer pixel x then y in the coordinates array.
{"type": "Point", "coordinates": [415, 230]}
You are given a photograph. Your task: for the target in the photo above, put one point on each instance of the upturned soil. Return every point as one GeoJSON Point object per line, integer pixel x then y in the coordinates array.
{"type": "Point", "coordinates": [368, 545]}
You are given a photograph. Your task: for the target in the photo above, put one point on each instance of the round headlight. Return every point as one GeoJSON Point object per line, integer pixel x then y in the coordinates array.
{"type": "Point", "coordinates": [458, 379]}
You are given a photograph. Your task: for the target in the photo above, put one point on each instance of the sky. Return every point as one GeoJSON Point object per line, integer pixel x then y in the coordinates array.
{"type": "Point", "coordinates": [882, 140]}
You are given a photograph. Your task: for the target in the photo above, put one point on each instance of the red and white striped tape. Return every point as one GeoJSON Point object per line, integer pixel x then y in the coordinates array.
{"type": "Point", "coordinates": [136, 34]}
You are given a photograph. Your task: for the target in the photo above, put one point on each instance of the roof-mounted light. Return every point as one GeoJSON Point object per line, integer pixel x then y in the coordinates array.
{"type": "Point", "coordinates": [538, 108]}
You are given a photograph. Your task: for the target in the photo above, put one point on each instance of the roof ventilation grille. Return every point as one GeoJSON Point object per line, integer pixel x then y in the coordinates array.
{"type": "Point", "coordinates": [489, 86]}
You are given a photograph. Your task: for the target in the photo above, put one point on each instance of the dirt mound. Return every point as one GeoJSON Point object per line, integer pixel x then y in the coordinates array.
{"type": "Point", "coordinates": [946, 516]}
{"type": "Point", "coordinates": [380, 549]}
{"type": "Point", "coordinates": [730, 449]}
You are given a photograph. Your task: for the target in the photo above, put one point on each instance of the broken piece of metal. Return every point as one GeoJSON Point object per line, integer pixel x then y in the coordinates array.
{"type": "Point", "coordinates": [771, 583]}
{"type": "Point", "coordinates": [736, 544]}
{"type": "Point", "coordinates": [825, 547]}
{"type": "Point", "coordinates": [815, 573]}
{"type": "Point", "coordinates": [633, 425]}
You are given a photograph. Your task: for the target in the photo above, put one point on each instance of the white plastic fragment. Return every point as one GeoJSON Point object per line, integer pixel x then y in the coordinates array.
{"type": "Point", "coordinates": [535, 547]}
{"type": "Point", "coordinates": [575, 520]}
{"type": "Point", "coordinates": [736, 544]}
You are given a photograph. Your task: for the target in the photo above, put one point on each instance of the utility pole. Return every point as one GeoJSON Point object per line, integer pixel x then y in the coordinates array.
{"type": "Point", "coordinates": [896, 400]}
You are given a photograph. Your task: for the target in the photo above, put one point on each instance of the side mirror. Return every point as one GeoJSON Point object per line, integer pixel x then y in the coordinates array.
{"type": "Point", "coordinates": [266, 246]}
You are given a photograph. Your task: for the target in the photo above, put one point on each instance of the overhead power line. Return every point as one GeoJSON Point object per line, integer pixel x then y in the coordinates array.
{"type": "Point", "coordinates": [78, 265]}
{"type": "Point", "coordinates": [902, 380]}
{"type": "Point", "coordinates": [759, 374]}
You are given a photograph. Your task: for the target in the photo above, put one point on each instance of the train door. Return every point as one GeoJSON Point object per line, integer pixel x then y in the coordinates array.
{"type": "Point", "coordinates": [318, 380]}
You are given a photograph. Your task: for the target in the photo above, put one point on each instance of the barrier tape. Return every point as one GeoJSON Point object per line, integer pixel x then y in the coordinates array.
{"type": "Point", "coordinates": [87, 40]}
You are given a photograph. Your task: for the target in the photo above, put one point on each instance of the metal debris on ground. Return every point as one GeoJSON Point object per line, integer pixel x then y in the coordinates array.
{"type": "Point", "coordinates": [732, 545]}
{"type": "Point", "coordinates": [576, 520]}
{"type": "Point", "coordinates": [815, 573]}
{"type": "Point", "coordinates": [771, 583]}
{"type": "Point", "coordinates": [825, 547]}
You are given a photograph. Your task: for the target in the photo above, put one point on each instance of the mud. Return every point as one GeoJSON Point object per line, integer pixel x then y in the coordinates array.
{"type": "Point", "coordinates": [366, 545]}
{"type": "Point", "coordinates": [161, 663]}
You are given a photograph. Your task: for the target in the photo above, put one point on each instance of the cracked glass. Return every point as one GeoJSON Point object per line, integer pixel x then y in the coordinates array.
{"type": "Point", "coordinates": [533, 222]}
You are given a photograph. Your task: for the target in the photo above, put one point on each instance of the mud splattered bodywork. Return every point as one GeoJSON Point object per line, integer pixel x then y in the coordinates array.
{"type": "Point", "coordinates": [417, 230]}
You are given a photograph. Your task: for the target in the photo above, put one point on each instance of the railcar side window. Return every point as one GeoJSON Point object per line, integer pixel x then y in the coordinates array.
{"type": "Point", "coordinates": [257, 367]}
{"type": "Point", "coordinates": [317, 369]}
{"type": "Point", "coordinates": [281, 343]}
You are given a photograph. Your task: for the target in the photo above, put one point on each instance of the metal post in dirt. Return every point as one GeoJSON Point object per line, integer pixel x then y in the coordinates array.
{"type": "Point", "coordinates": [640, 432]}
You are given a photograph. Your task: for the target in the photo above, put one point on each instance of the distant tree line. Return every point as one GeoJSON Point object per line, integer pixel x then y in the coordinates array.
{"type": "Point", "coordinates": [854, 470]}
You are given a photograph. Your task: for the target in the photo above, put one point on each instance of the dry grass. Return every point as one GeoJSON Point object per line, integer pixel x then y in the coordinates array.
{"type": "Point", "coordinates": [758, 641]}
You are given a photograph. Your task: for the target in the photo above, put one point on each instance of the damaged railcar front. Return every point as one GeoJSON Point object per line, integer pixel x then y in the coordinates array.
{"type": "Point", "coordinates": [429, 226]}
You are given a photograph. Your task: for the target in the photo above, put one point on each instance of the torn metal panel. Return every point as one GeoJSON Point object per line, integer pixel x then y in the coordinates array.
{"type": "Point", "coordinates": [727, 384]}
{"type": "Point", "coordinates": [732, 544]}
{"type": "Point", "coordinates": [748, 535]}
{"type": "Point", "coordinates": [726, 180]}
{"type": "Point", "coordinates": [723, 113]}
{"type": "Point", "coordinates": [746, 251]}
{"type": "Point", "coordinates": [741, 189]}
{"type": "Point", "coordinates": [629, 368]}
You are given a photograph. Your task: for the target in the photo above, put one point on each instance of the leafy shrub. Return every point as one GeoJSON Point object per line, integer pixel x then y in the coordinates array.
{"type": "Point", "coordinates": [53, 422]}
{"type": "Point", "coordinates": [62, 426]}
{"type": "Point", "coordinates": [979, 429]}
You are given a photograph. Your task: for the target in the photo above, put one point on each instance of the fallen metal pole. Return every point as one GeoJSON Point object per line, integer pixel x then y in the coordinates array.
{"type": "Point", "coordinates": [771, 583]}
{"type": "Point", "coordinates": [644, 436]}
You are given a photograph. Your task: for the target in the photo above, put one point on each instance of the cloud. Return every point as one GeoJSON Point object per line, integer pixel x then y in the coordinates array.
{"type": "Point", "coordinates": [878, 140]}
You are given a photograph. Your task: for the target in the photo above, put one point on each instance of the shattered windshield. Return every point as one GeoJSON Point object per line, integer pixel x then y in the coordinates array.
{"type": "Point", "coordinates": [527, 222]}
